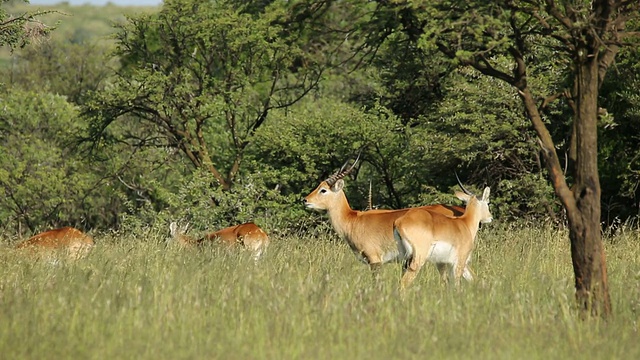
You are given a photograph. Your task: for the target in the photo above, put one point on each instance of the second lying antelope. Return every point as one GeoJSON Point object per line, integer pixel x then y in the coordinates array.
{"type": "Point", "coordinates": [248, 235]}
{"type": "Point", "coordinates": [445, 241]}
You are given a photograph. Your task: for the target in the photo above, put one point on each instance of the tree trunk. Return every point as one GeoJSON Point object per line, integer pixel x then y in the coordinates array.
{"type": "Point", "coordinates": [587, 252]}
{"type": "Point", "coordinates": [582, 202]}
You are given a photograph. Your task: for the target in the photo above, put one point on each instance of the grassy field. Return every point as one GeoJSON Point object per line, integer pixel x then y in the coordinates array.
{"type": "Point", "coordinates": [135, 298]}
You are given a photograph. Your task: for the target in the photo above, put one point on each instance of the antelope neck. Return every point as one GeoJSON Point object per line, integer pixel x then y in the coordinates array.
{"type": "Point", "coordinates": [471, 216]}
{"type": "Point", "coordinates": [341, 216]}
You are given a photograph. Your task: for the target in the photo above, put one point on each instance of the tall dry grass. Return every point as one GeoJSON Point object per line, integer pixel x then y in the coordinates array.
{"type": "Point", "coordinates": [133, 297]}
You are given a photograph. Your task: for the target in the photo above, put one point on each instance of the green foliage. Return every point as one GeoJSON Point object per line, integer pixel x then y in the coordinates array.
{"type": "Point", "coordinates": [490, 139]}
{"type": "Point", "coordinates": [207, 208]}
{"type": "Point", "coordinates": [42, 181]}
{"type": "Point", "coordinates": [63, 68]}
{"type": "Point", "coordinates": [619, 159]}
{"type": "Point", "coordinates": [310, 298]}
{"type": "Point", "coordinates": [403, 35]}
{"type": "Point", "coordinates": [47, 180]}
{"type": "Point", "coordinates": [311, 141]}
{"type": "Point", "coordinates": [203, 123]}
{"type": "Point", "coordinates": [78, 23]}
{"type": "Point", "coordinates": [74, 24]}
{"type": "Point", "coordinates": [202, 78]}
{"type": "Point", "coordinates": [455, 126]}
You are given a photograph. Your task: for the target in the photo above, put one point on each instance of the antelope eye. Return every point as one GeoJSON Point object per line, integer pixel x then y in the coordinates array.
{"type": "Point", "coordinates": [322, 191]}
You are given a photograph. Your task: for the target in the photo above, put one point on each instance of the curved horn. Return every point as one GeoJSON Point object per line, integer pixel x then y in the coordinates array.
{"type": "Point", "coordinates": [462, 186]}
{"type": "Point", "coordinates": [331, 180]}
{"type": "Point", "coordinates": [370, 205]}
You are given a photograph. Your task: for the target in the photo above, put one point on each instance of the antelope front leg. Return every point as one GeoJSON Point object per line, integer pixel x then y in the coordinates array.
{"type": "Point", "coordinates": [375, 264]}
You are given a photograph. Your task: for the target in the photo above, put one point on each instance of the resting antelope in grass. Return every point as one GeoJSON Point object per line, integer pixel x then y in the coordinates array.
{"type": "Point", "coordinates": [445, 241]}
{"type": "Point", "coordinates": [71, 241]}
{"type": "Point", "coordinates": [180, 236]}
{"type": "Point", "coordinates": [249, 235]}
{"type": "Point", "coordinates": [368, 233]}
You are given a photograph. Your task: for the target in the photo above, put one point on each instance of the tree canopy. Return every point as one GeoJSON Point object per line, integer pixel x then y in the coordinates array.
{"type": "Point", "coordinates": [202, 78]}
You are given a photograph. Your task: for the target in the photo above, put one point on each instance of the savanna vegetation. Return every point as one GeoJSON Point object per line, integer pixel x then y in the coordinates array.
{"type": "Point", "coordinates": [118, 121]}
{"type": "Point", "coordinates": [240, 112]}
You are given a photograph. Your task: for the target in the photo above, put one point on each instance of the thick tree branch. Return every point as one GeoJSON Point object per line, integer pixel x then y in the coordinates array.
{"type": "Point", "coordinates": [548, 100]}
{"type": "Point", "coordinates": [549, 153]}
{"type": "Point", "coordinates": [480, 64]}
{"type": "Point", "coordinates": [554, 11]}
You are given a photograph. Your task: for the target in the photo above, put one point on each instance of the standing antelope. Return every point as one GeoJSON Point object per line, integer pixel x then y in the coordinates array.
{"type": "Point", "coordinates": [73, 242]}
{"type": "Point", "coordinates": [445, 241]}
{"type": "Point", "coordinates": [249, 235]}
{"type": "Point", "coordinates": [368, 233]}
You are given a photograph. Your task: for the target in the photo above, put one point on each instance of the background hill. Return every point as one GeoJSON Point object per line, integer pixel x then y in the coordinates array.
{"type": "Point", "coordinates": [99, 2]}
{"type": "Point", "coordinates": [79, 23]}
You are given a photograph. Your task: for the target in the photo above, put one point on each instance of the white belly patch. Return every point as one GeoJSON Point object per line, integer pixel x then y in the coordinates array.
{"type": "Point", "coordinates": [442, 252]}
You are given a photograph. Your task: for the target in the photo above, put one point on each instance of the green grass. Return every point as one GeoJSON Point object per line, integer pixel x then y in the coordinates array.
{"type": "Point", "coordinates": [134, 298]}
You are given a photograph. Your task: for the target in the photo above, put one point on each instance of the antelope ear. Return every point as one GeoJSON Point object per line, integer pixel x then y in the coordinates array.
{"type": "Point", "coordinates": [172, 228]}
{"type": "Point", "coordinates": [338, 186]}
{"type": "Point", "coordinates": [462, 196]}
{"type": "Point", "coordinates": [485, 194]}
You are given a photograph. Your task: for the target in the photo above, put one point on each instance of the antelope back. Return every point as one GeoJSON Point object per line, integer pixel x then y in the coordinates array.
{"type": "Point", "coordinates": [70, 240]}
{"type": "Point", "coordinates": [248, 235]}
{"type": "Point", "coordinates": [253, 237]}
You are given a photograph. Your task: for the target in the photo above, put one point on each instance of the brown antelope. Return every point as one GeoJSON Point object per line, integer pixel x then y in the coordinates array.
{"type": "Point", "coordinates": [249, 235]}
{"type": "Point", "coordinates": [445, 241]}
{"type": "Point", "coordinates": [73, 242]}
{"type": "Point", "coordinates": [368, 233]}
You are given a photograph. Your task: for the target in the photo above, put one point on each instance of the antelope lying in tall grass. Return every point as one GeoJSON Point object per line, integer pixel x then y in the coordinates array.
{"type": "Point", "coordinates": [368, 233]}
{"type": "Point", "coordinates": [249, 235]}
{"type": "Point", "coordinates": [179, 235]}
{"type": "Point", "coordinates": [445, 241]}
{"type": "Point", "coordinates": [67, 240]}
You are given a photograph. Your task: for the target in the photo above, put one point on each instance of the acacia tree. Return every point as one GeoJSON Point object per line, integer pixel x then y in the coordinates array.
{"type": "Point", "coordinates": [18, 30]}
{"type": "Point", "coordinates": [585, 36]}
{"type": "Point", "coordinates": [202, 77]}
